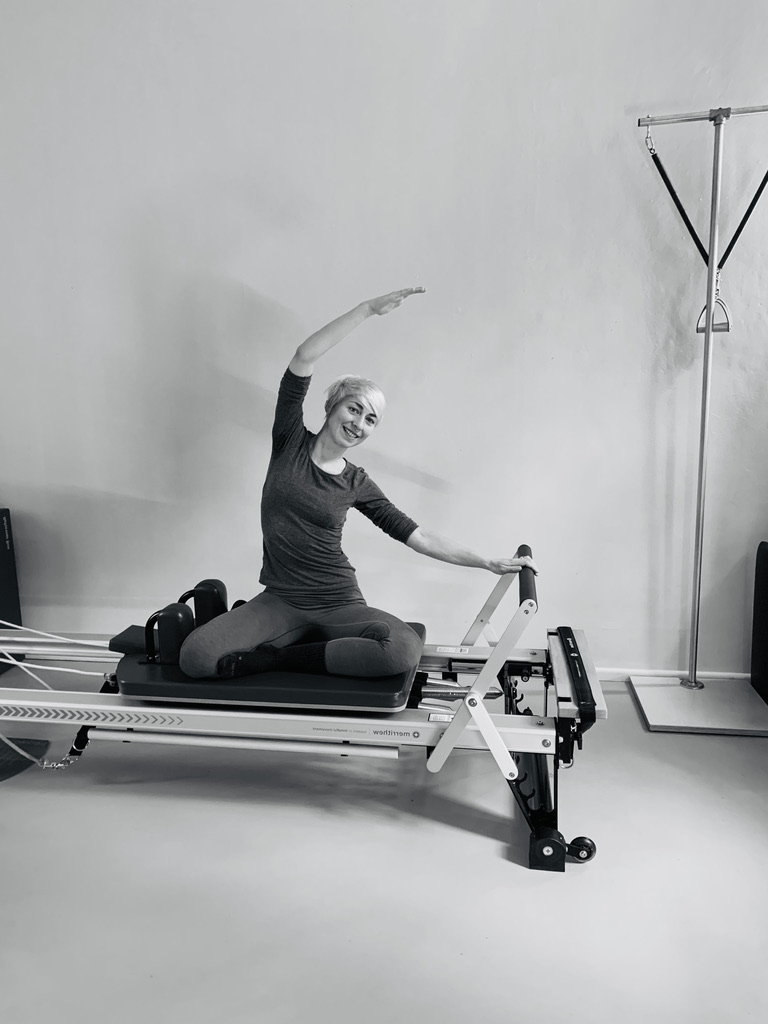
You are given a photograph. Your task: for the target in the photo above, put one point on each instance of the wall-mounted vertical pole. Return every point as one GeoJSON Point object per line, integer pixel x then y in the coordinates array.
{"type": "Point", "coordinates": [719, 118]}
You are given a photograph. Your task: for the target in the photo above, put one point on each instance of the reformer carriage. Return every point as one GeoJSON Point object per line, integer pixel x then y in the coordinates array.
{"type": "Point", "coordinates": [475, 695]}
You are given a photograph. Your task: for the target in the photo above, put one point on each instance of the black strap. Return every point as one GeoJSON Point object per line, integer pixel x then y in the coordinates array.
{"type": "Point", "coordinates": [680, 209]}
{"type": "Point", "coordinates": [744, 220]}
{"type": "Point", "coordinates": [584, 696]}
{"type": "Point", "coordinates": [686, 220]}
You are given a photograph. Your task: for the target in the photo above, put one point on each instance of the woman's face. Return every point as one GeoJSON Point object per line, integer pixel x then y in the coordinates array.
{"type": "Point", "coordinates": [351, 421]}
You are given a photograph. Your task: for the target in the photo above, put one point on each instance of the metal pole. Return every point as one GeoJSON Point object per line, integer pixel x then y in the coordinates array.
{"type": "Point", "coordinates": [719, 118]}
{"type": "Point", "coordinates": [702, 115]}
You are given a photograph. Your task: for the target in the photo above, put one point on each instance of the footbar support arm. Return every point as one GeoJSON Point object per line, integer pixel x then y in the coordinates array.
{"type": "Point", "coordinates": [482, 623]}
{"type": "Point", "coordinates": [472, 709]}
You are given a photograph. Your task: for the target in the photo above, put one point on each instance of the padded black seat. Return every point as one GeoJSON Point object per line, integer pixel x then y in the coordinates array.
{"type": "Point", "coordinates": [138, 678]}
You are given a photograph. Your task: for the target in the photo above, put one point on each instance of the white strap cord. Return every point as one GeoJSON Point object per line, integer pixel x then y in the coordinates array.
{"type": "Point", "coordinates": [103, 644]}
{"type": "Point", "coordinates": [29, 757]}
{"type": "Point", "coordinates": [8, 659]}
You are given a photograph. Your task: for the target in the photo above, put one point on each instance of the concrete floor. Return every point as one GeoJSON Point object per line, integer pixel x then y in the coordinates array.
{"type": "Point", "coordinates": [219, 887]}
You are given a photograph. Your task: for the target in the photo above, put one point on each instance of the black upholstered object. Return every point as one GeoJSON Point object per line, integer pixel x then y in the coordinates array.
{"type": "Point", "coordinates": [160, 683]}
{"type": "Point", "coordinates": [759, 673]}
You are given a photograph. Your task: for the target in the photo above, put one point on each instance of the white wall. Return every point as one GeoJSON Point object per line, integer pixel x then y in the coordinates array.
{"type": "Point", "coordinates": [189, 188]}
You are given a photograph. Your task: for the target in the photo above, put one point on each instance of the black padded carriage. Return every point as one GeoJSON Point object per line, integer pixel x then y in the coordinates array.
{"type": "Point", "coordinates": [143, 680]}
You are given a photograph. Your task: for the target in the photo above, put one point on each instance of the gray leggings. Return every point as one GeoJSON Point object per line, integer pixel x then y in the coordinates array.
{"type": "Point", "coordinates": [268, 620]}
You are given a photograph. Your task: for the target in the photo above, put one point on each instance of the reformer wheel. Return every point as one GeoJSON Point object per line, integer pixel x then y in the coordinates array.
{"type": "Point", "coordinates": [547, 850]}
{"type": "Point", "coordinates": [582, 849]}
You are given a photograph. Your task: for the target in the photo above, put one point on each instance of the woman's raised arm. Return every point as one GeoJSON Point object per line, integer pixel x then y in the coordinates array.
{"type": "Point", "coordinates": [317, 344]}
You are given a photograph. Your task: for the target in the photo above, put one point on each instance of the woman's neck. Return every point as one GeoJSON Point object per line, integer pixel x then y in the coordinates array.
{"type": "Point", "coordinates": [328, 456]}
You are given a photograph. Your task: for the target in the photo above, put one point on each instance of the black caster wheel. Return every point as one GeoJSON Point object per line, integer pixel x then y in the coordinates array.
{"type": "Point", "coordinates": [582, 849]}
{"type": "Point", "coordinates": [547, 850]}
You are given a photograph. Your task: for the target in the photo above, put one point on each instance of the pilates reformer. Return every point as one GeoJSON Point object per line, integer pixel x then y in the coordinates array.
{"type": "Point", "coordinates": [440, 705]}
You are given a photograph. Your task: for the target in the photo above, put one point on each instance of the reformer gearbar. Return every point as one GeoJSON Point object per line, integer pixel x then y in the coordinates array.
{"type": "Point", "coordinates": [717, 116]}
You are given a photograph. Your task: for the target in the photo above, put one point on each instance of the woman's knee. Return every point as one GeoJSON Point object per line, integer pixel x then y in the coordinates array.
{"type": "Point", "coordinates": [197, 658]}
{"type": "Point", "coordinates": [205, 645]}
{"type": "Point", "coordinates": [402, 650]}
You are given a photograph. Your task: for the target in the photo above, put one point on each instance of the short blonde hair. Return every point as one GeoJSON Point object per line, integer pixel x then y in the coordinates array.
{"type": "Point", "coordinates": [359, 386]}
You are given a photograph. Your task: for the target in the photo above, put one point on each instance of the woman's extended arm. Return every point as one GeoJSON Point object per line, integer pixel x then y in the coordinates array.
{"type": "Point", "coordinates": [428, 543]}
{"type": "Point", "coordinates": [317, 344]}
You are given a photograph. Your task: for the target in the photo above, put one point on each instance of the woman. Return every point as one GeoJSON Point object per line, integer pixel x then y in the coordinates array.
{"type": "Point", "coordinates": [311, 616]}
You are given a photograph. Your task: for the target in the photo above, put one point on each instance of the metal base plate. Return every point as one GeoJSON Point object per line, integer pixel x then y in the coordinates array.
{"type": "Point", "coordinates": [725, 707]}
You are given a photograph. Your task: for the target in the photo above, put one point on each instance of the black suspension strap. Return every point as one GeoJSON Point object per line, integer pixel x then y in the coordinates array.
{"type": "Point", "coordinates": [744, 220]}
{"type": "Point", "coordinates": [686, 219]}
{"type": "Point", "coordinates": [676, 200]}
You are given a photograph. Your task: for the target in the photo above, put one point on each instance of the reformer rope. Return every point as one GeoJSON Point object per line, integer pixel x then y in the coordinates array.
{"type": "Point", "coordinates": [102, 644]}
{"type": "Point", "coordinates": [8, 659]}
{"type": "Point", "coordinates": [30, 757]}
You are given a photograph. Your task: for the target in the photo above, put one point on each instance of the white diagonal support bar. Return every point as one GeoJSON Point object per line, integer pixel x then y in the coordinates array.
{"type": "Point", "coordinates": [500, 653]}
{"type": "Point", "coordinates": [486, 678]}
{"type": "Point", "coordinates": [449, 739]}
{"type": "Point", "coordinates": [473, 710]}
{"type": "Point", "coordinates": [490, 634]}
{"type": "Point", "coordinates": [498, 750]}
{"type": "Point", "coordinates": [490, 606]}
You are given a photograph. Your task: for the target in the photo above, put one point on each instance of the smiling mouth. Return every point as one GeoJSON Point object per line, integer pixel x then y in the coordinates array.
{"type": "Point", "coordinates": [349, 433]}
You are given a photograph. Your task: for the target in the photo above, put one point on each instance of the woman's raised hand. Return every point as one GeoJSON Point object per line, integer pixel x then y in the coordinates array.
{"type": "Point", "coordinates": [386, 303]}
{"type": "Point", "coordinates": [317, 344]}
